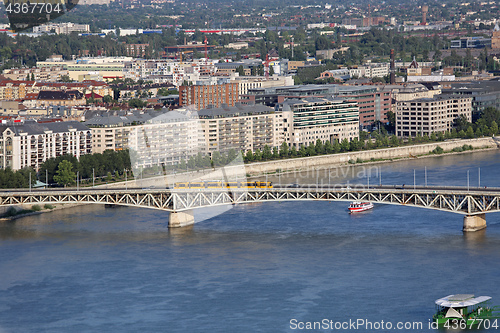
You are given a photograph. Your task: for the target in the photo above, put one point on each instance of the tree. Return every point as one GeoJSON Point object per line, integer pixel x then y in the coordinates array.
{"type": "Point", "coordinates": [320, 148]}
{"type": "Point", "coordinates": [328, 147]}
{"type": "Point", "coordinates": [240, 70]}
{"type": "Point", "coordinates": [136, 103]}
{"type": "Point", "coordinates": [344, 145]}
{"type": "Point", "coordinates": [461, 123]}
{"type": "Point", "coordinates": [266, 153]}
{"type": "Point", "coordinates": [276, 153]}
{"type": "Point", "coordinates": [470, 132]}
{"type": "Point", "coordinates": [336, 147]}
{"type": "Point", "coordinates": [65, 78]}
{"type": "Point", "coordinates": [284, 150]}
{"type": "Point", "coordinates": [249, 156]}
{"type": "Point", "coordinates": [107, 99]}
{"type": "Point", "coordinates": [391, 118]}
{"type": "Point", "coordinates": [216, 158]}
{"type": "Point", "coordinates": [494, 127]}
{"type": "Point", "coordinates": [65, 175]}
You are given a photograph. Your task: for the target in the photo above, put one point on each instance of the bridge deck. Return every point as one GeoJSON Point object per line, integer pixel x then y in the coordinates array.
{"type": "Point", "coordinates": [453, 199]}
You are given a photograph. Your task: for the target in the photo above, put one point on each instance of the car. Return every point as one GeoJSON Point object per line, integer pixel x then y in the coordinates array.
{"type": "Point", "coordinates": [294, 185]}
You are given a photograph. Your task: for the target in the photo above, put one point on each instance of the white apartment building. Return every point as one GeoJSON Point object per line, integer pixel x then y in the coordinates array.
{"type": "Point", "coordinates": [62, 28]}
{"type": "Point", "coordinates": [425, 116]}
{"type": "Point", "coordinates": [108, 67]}
{"type": "Point", "coordinates": [165, 140]}
{"type": "Point", "coordinates": [369, 71]}
{"type": "Point", "coordinates": [252, 82]}
{"type": "Point", "coordinates": [309, 119]}
{"type": "Point", "coordinates": [242, 128]}
{"type": "Point", "coordinates": [161, 71]}
{"type": "Point", "coordinates": [29, 144]}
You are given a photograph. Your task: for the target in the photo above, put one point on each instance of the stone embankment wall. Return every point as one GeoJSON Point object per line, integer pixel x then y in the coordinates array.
{"type": "Point", "coordinates": [297, 164]}
{"type": "Point", "coordinates": [386, 154]}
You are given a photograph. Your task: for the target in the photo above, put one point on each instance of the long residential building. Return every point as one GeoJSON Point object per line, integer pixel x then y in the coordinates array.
{"type": "Point", "coordinates": [111, 132]}
{"type": "Point", "coordinates": [29, 144]}
{"type": "Point", "coordinates": [242, 127]}
{"type": "Point", "coordinates": [49, 74]}
{"type": "Point", "coordinates": [11, 90]}
{"type": "Point", "coordinates": [425, 116]}
{"type": "Point", "coordinates": [165, 140]}
{"type": "Point", "coordinates": [203, 96]}
{"type": "Point", "coordinates": [327, 119]}
{"type": "Point", "coordinates": [161, 139]}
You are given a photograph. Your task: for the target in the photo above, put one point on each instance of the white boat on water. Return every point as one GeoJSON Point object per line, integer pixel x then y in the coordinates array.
{"type": "Point", "coordinates": [358, 206]}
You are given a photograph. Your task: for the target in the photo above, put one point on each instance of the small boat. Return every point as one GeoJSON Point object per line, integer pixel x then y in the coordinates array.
{"type": "Point", "coordinates": [465, 311]}
{"type": "Point", "coordinates": [357, 206]}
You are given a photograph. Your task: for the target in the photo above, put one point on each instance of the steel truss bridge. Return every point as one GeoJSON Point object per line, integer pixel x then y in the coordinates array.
{"type": "Point", "coordinates": [457, 200]}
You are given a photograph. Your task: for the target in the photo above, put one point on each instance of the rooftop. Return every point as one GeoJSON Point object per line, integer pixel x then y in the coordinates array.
{"type": "Point", "coordinates": [234, 111]}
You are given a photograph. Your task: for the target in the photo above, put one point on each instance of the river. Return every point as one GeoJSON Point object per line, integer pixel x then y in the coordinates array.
{"type": "Point", "coordinates": [268, 267]}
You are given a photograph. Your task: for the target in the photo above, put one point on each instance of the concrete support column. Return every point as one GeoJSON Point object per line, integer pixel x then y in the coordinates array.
{"type": "Point", "coordinates": [474, 222]}
{"type": "Point", "coordinates": [180, 219]}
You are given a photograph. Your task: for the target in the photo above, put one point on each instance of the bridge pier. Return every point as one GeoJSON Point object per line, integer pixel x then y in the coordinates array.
{"type": "Point", "coordinates": [474, 222]}
{"type": "Point", "coordinates": [180, 219]}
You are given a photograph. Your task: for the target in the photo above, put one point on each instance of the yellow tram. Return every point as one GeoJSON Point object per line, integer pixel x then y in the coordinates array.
{"type": "Point", "coordinates": [219, 184]}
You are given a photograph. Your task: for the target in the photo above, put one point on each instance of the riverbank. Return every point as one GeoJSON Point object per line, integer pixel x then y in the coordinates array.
{"type": "Point", "coordinates": [258, 169]}
{"type": "Point", "coordinates": [24, 210]}
{"type": "Point", "coordinates": [369, 156]}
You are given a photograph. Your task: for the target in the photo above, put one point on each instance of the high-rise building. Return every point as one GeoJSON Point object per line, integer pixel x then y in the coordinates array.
{"type": "Point", "coordinates": [29, 144]}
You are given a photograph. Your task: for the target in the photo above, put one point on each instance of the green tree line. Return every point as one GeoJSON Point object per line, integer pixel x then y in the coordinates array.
{"type": "Point", "coordinates": [98, 165]}
{"type": "Point", "coordinates": [17, 179]}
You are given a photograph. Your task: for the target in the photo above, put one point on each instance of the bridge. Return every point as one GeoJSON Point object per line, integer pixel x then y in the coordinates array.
{"type": "Point", "coordinates": [474, 203]}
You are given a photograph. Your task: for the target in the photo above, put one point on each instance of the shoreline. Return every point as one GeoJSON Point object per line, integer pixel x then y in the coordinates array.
{"type": "Point", "coordinates": [382, 161]}
{"type": "Point", "coordinates": [367, 156]}
{"type": "Point", "coordinates": [56, 207]}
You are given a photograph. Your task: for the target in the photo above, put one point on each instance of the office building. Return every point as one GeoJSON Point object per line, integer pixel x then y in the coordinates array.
{"type": "Point", "coordinates": [425, 116]}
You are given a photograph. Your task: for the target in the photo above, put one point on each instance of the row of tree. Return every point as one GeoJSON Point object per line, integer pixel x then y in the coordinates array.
{"type": "Point", "coordinates": [89, 166]}
{"type": "Point", "coordinates": [17, 179]}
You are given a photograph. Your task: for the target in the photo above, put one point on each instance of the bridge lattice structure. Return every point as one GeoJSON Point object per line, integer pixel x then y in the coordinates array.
{"type": "Point", "coordinates": [457, 200]}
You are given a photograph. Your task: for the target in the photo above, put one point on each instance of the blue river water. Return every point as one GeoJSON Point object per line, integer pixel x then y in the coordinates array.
{"type": "Point", "coordinates": [256, 268]}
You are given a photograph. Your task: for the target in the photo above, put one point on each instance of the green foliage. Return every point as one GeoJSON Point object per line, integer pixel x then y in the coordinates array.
{"type": "Point", "coordinates": [276, 153]}
{"type": "Point", "coordinates": [88, 165]}
{"type": "Point", "coordinates": [136, 103]}
{"type": "Point", "coordinates": [284, 151]}
{"type": "Point", "coordinates": [10, 212]}
{"type": "Point", "coordinates": [438, 150]}
{"type": "Point", "coordinates": [48, 206]}
{"type": "Point", "coordinates": [470, 132]}
{"type": "Point", "coordinates": [266, 153]}
{"type": "Point", "coordinates": [107, 99]}
{"type": "Point", "coordinates": [17, 179]}
{"type": "Point", "coordinates": [64, 175]}
{"type": "Point", "coordinates": [165, 92]}
{"type": "Point", "coordinates": [36, 208]}
{"type": "Point", "coordinates": [344, 145]}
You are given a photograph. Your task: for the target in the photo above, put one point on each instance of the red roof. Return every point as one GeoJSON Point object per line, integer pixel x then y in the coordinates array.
{"type": "Point", "coordinates": [31, 96]}
{"type": "Point", "coordinates": [96, 96]}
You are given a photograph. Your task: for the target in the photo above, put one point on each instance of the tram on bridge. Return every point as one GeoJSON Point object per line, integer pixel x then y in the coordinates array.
{"type": "Point", "coordinates": [222, 185]}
